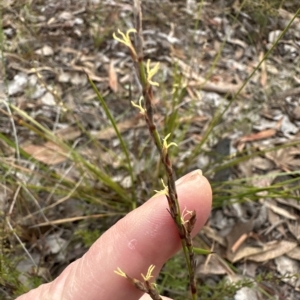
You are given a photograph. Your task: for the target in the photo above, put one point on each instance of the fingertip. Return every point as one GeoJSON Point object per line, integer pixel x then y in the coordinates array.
{"type": "Point", "coordinates": [195, 193]}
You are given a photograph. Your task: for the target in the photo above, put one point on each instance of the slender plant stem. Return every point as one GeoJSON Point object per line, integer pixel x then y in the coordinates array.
{"type": "Point", "coordinates": [184, 227]}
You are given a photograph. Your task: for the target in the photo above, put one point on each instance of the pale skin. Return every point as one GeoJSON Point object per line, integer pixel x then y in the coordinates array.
{"type": "Point", "coordinates": [144, 237]}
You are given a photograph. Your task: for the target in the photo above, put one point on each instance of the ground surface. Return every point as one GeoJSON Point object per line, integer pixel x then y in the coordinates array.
{"type": "Point", "coordinates": [57, 202]}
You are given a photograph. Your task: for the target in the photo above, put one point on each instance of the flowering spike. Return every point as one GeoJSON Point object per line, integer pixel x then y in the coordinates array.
{"type": "Point", "coordinates": [148, 275]}
{"type": "Point", "coordinates": [152, 72]}
{"type": "Point", "coordinates": [120, 272]}
{"type": "Point", "coordinates": [139, 106]}
{"type": "Point", "coordinates": [125, 39]}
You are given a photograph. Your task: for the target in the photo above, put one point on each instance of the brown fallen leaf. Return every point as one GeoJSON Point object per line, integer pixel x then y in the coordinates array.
{"type": "Point", "coordinates": [294, 229]}
{"type": "Point", "coordinates": [67, 134]}
{"type": "Point", "coordinates": [276, 222]}
{"type": "Point", "coordinates": [113, 77]}
{"type": "Point", "coordinates": [211, 267]}
{"type": "Point", "coordinates": [243, 252]}
{"type": "Point", "coordinates": [290, 202]}
{"type": "Point", "coordinates": [294, 253]}
{"type": "Point", "coordinates": [280, 249]}
{"type": "Point", "coordinates": [281, 211]}
{"type": "Point", "coordinates": [48, 153]}
{"type": "Point", "coordinates": [264, 134]}
{"type": "Point", "coordinates": [286, 159]}
{"type": "Point", "coordinates": [109, 133]}
{"type": "Point", "coordinates": [268, 251]}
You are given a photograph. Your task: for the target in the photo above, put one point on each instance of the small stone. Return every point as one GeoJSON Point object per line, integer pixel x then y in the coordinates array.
{"type": "Point", "coordinates": [48, 99]}
{"type": "Point", "coordinates": [45, 51]}
{"type": "Point", "coordinates": [18, 84]}
{"type": "Point", "coordinates": [273, 36]}
{"type": "Point", "coordinates": [296, 113]}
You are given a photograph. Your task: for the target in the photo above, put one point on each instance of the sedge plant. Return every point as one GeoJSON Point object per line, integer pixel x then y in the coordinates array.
{"type": "Point", "coordinates": [184, 221]}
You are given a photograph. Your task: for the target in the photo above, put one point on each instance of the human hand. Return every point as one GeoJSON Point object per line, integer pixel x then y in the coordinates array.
{"type": "Point", "coordinates": [145, 236]}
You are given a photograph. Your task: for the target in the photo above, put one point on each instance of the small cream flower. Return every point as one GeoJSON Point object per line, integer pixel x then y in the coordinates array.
{"type": "Point", "coordinates": [125, 39]}
{"type": "Point", "coordinates": [152, 72]}
{"type": "Point", "coordinates": [165, 191]}
{"type": "Point", "coordinates": [139, 106]}
{"type": "Point", "coordinates": [148, 275]}
{"type": "Point", "coordinates": [120, 272]}
{"type": "Point", "coordinates": [184, 213]}
{"type": "Point", "coordinates": [166, 146]}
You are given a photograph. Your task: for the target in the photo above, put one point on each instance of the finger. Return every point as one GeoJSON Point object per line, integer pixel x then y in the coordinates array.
{"type": "Point", "coordinates": [145, 236]}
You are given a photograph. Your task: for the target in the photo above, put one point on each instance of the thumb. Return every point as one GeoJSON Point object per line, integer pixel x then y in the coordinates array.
{"type": "Point", "coordinates": [146, 236]}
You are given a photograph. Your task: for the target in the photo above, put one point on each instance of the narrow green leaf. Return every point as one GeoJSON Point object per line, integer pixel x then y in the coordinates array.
{"type": "Point", "coordinates": [201, 251]}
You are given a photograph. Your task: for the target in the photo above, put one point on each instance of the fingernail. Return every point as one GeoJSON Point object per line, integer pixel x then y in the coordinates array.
{"type": "Point", "coordinates": [188, 177]}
